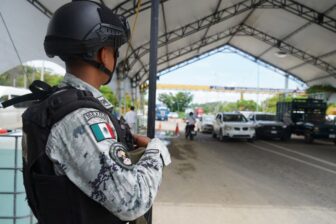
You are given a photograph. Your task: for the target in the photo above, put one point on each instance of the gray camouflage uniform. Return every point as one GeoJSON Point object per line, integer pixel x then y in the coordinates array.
{"type": "Point", "coordinates": [127, 190]}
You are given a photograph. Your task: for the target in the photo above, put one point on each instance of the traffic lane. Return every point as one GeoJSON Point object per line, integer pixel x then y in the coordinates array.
{"type": "Point", "coordinates": [323, 156]}
{"type": "Point", "coordinates": [322, 149]}
{"type": "Point", "coordinates": [239, 173]}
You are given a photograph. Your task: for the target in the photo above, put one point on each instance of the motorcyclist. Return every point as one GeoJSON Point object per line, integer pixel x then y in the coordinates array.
{"type": "Point", "coordinates": [191, 121]}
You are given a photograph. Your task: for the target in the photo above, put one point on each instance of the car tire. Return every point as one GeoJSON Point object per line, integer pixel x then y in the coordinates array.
{"type": "Point", "coordinates": [251, 140]}
{"type": "Point", "coordinates": [285, 137]}
{"type": "Point", "coordinates": [221, 138]}
{"type": "Point", "coordinates": [308, 137]}
{"type": "Point", "coordinates": [214, 134]}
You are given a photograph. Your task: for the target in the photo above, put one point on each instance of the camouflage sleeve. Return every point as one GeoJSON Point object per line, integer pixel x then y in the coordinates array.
{"type": "Point", "coordinates": [83, 146]}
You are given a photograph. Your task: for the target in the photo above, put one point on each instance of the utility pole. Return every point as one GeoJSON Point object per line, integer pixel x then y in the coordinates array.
{"type": "Point", "coordinates": [154, 30]}
{"type": "Point", "coordinates": [153, 68]}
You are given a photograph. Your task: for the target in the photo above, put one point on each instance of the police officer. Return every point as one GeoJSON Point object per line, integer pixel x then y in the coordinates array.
{"type": "Point", "coordinates": [76, 167]}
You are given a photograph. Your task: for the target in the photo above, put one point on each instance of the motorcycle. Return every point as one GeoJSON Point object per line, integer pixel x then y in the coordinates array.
{"type": "Point", "coordinates": [190, 131]}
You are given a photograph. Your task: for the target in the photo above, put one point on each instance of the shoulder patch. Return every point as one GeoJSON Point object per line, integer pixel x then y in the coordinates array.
{"type": "Point", "coordinates": [118, 153]}
{"type": "Point", "coordinates": [95, 114]}
{"type": "Point", "coordinates": [105, 102]}
{"type": "Point", "coordinates": [103, 131]}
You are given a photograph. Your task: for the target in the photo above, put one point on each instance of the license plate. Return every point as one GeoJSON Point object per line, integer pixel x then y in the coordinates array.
{"type": "Point", "coordinates": [332, 136]}
{"type": "Point", "coordinates": [274, 132]}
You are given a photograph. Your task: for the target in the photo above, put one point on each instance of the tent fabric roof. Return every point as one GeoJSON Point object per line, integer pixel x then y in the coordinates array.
{"type": "Point", "coordinates": [304, 29]}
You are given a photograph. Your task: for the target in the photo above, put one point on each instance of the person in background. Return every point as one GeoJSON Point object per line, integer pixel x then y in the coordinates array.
{"type": "Point", "coordinates": [191, 121]}
{"type": "Point", "coordinates": [131, 120]}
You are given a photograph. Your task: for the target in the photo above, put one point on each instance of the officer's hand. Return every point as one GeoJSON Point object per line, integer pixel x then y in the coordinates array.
{"type": "Point", "coordinates": [141, 140]}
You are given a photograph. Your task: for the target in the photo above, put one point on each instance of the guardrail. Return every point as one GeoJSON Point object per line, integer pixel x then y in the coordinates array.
{"type": "Point", "coordinates": [13, 204]}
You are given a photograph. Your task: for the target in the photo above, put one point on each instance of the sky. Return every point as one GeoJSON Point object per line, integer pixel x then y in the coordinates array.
{"type": "Point", "coordinates": [221, 69]}
{"type": "Point", "coordinates": [226, 69]}
{"type": "Point", "coordinates": [53, 66]}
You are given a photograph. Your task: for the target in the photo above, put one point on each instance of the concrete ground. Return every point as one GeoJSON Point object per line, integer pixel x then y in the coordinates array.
{"type": "Point", "coordinates": [239, 182]}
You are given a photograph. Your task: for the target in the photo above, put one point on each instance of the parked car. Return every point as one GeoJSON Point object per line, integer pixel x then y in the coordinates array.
{"type": "Point", "coordinates": [205, 124]}
{"type": "Point", "coordinates": [233, 125]}
{"type": "Point", "coordinates": [267, 126]}
{"type": "Point", "coordinates": [173, 115]}
{"type": "Point", "coordinates": [10, 117]}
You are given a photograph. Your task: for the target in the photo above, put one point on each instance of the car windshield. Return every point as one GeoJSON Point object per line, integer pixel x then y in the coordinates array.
{"type": "Point", "coordinates": [234, 118]}
{"type": "Point", "coordinates": [265, 117]}
{"type": "Point", "coordinates": [207, 119]}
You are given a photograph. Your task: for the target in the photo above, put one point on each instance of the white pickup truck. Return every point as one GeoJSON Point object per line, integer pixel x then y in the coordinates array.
{"type": "Point", "coordinates": [10, 117]}
{"type": "Point", "coordinates": [233, 125]}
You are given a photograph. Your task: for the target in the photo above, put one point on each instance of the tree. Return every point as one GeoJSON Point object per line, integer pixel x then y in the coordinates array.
{"type": "Point", "coordinates": [321, 89]}
{"type": "Point", "coordinates": [167, 99]}
{"type": "Point", "coordinates": [178, 102]}
{"type": "Point", "coordinates": [109, 95]}
{"type": "Point", "coordinates": [182, 100]}
{"type": "Point", "coordinates": [17, 74]}
{"type": "Point", "coordinates": [246, 105]}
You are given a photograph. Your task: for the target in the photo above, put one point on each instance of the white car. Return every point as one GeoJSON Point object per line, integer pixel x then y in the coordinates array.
{"type": "Point", "coordinates": [233, 125]}
{"type": "Point", "coordinates": [205, 124]}
{"type": "Point", "coordinates": [10, 117]}
{"type": "Point", "coordinates": [173, 115]}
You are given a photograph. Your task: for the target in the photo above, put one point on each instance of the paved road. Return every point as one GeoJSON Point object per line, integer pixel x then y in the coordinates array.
{"type": "Point", "coordinates": [239, 182]}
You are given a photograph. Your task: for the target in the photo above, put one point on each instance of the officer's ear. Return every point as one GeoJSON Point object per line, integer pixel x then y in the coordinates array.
{"type": "Point", "coordinates": [106, 56]}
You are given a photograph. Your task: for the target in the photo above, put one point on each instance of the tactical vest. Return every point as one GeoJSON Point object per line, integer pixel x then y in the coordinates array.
{"type": "Point", "coordinates": [55, 199]}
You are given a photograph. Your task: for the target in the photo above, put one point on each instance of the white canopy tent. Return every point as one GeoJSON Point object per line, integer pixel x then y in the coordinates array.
{"type": "Point", "coordinates": [297, 37]}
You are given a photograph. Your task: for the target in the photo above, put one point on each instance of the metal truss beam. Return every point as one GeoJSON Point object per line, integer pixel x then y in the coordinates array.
{"type": "Point", "coordinates": [192, 28]}
{"type": "Point", "coordinates": [297, 30]}
{"type": "Point", "coordinates": [267, 64]}
{"type": "Point", "coordinates": [320, 78]}
{"type": "Point", "coordinates": [243, 22]}
{"type": "Point", "coordinates": [306, 62]}
{"type": "Point", "coordinates": [123, 71]}
{"type": "Point", "coordinates": [37, 4]}
{"type": "Point", "coordinates": [186, 50]}
{"type": "Point", "coordinates": [139, 78]}
{"type": "Point", "coordinates": [227, 48]}
{"type": "Point", "coordinates": [304, 12]}
{"type": "Point", "coordinates": [324, 66]}
{"type": "Point", "coordinates": [213, 19]}
{"type": "Point", "coordinates": [165, 28]}
{"type": "Point", "coordinates": [127, 8]}
{"type": "Point", "coordinates": [229, 12]}
{"type": "Point", "coordinates": [248, 31]}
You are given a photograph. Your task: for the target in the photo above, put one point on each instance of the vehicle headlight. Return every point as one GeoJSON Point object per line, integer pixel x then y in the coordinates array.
{"type": "Point", "coordinates": [227, 128]}
{"type": "Point", "coordinates": [284, 126]}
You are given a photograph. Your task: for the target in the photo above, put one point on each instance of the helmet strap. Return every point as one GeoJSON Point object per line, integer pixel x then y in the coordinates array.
{"type": "Point", "coordinates": [102, 68]}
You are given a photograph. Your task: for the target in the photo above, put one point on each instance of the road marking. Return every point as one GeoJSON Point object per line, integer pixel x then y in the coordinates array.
{"type": "Point", "coordinates": [293, 158]}
{"type": "Point", "coordinates": [324, 142]}
{"type": "Point", "coordinates": [301, 154]}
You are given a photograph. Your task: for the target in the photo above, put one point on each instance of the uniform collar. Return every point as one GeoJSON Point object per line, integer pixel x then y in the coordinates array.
{"type": "Point", "coordinates": [71, 80]}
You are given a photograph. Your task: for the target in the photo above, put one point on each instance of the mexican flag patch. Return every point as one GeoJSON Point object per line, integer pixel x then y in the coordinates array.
{"type": "Point", "coordinates": [103, 131]}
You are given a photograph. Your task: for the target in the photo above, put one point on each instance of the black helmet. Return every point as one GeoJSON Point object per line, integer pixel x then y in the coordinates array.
{"type": "Point", "coordinates": [81, 28]}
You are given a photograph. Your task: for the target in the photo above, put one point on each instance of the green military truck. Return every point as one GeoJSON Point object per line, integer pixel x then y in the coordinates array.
{"type": "Point", "coordinates": [307, 117]}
